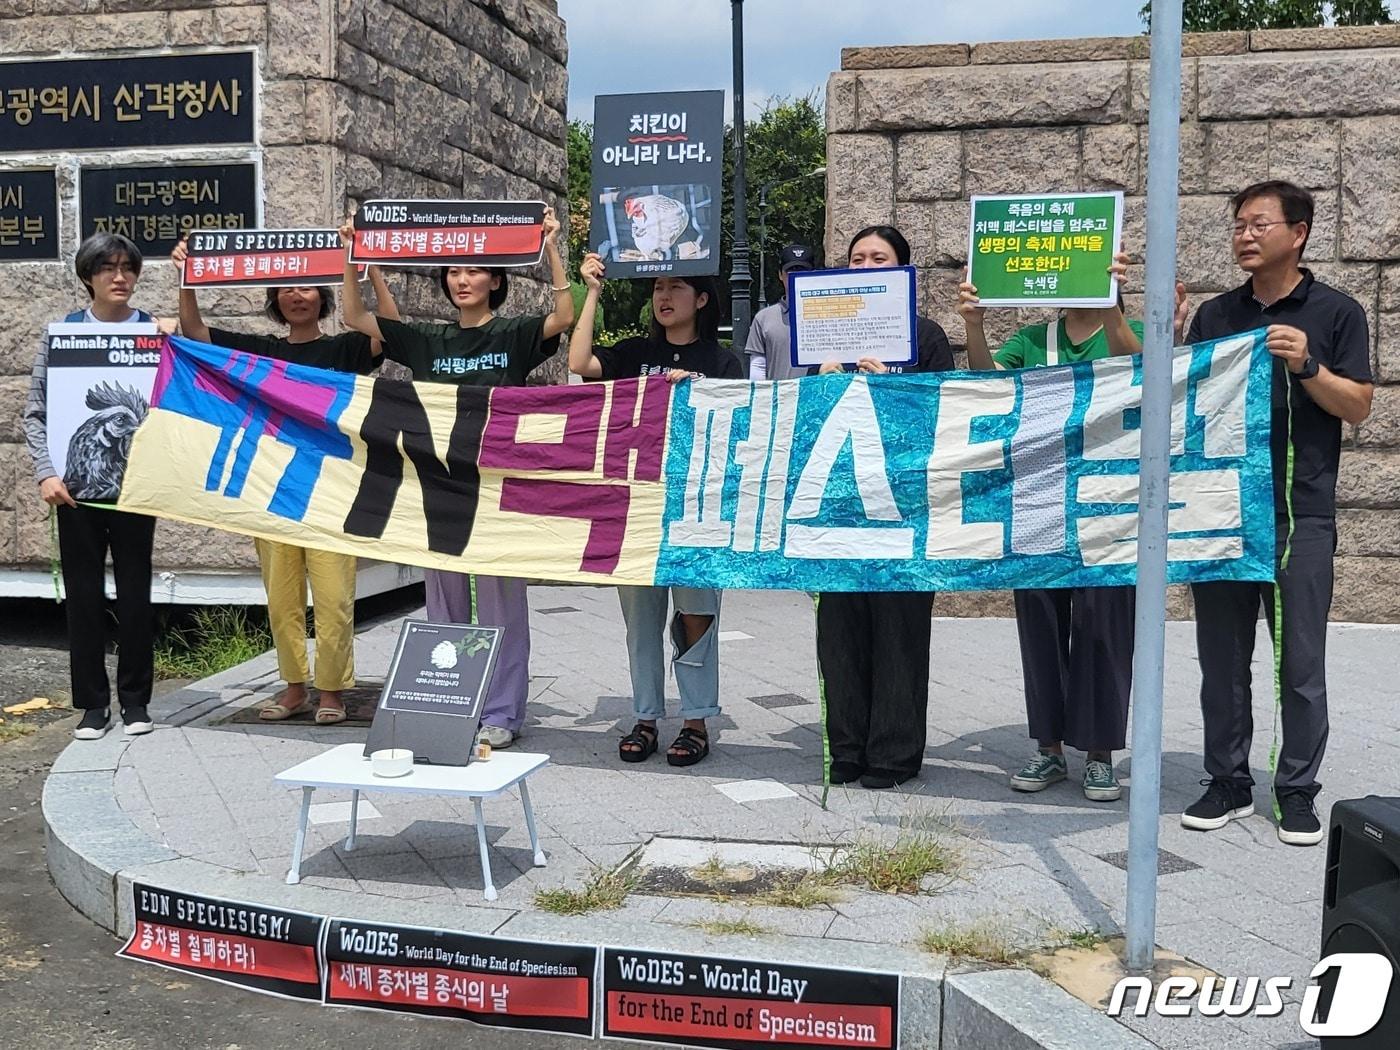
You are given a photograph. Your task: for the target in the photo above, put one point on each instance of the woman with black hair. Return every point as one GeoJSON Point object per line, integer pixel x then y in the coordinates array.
{"type": "Point", "coordinates": [287, 569]}
{"type": "Point", "coordinates": [683, 344]}
{"type": "Point", "coordinates": [482, 348]}
{"type": "Point", "coordinates": [108, 265]}
{"type": "Point", "coordinates": [873, 648]}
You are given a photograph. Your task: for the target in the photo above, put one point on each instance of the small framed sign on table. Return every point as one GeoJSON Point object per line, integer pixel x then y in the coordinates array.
{"type": "Point", "coordinates": [844, 315]}
{"type": "Point", "coordinates": [1051, 249]}
{"type": "Point", "coordinates": [432, 696]}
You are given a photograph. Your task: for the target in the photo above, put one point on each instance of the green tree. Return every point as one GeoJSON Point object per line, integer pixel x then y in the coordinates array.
{"type": "Point", "coordinates": [1204, 16]}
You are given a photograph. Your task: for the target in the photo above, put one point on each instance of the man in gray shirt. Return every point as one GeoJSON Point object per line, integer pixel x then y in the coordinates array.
{"type": "Point", "coordinates": [769, 348]}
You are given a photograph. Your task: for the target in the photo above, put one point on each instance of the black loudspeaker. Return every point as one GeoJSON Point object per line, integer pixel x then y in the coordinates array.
{"type": "Point", "coordinates": [1361, 905]}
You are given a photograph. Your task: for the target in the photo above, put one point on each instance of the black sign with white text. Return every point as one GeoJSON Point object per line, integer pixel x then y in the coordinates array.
{"type": "Point", "coordinates": [436, 685]}
{"type": "Point", "coordinates": [117, 103]}
{"type": "Point", "coordinates": [694, 1000]}
{"type": "Point", "coordinates": [28, 215]}
{"type": "Point", "coordinates": [156, 206]}
{"type": "Point", "coordinates": [488, 980]}
{"type": "Point", "coordinates": [265, 949]}
{"type": "Point", "coordinates": [656, 182]}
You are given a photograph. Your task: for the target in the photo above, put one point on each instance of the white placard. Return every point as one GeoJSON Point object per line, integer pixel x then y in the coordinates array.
{"type": "Point", "coordinates": [844, 315]}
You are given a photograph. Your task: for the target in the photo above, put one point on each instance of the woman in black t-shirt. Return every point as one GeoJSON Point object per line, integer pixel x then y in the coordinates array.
{"type": "Point", "coordinates": [873, 647]}
{"type": "Point", "coordinates": [682, 345]}
{"type": "Point", "coordinates": [287, 568]}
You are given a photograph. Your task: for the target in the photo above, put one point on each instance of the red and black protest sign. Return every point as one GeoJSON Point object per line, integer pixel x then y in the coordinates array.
{"type": "Point", "coordinates": [263, 259]}
{"type": "Point", "coordinates": [489, 980]}
{"type": "Point", "coordinates": [449, 233]}
{"type": "Point", "coordinates": [264, 949]}
{"type": "Point", "coordinates": [694, 1000]}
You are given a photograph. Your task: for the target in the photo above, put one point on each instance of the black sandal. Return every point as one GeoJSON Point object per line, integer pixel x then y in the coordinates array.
{"type": "Point", "coordinates": [694, 744]}
{"type": "Point", "coordinates": [638, 745]}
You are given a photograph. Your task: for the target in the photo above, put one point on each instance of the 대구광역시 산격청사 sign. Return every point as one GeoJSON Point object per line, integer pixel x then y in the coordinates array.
{"type": "Point", "coordinates": [128, 102]}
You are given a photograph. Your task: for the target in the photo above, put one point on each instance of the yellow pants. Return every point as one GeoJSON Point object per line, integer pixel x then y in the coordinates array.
{"type": "Point", "coordinates": [285, 571]}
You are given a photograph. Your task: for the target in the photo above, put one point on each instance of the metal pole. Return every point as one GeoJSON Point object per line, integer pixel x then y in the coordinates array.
{"type": "Point", "coordinates": [1163, 134]}
{"type": "Point", "coordinates": [763, 245]}
{"type": "Point", "coordinates": [740, 309]}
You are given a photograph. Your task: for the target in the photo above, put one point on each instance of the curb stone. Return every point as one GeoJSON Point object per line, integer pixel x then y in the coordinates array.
{"type": "Point", "coordinates": [95, 853]}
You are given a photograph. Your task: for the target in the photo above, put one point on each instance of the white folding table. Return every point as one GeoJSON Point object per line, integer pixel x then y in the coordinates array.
{"type": "Point", "coordinates": [347, 767]}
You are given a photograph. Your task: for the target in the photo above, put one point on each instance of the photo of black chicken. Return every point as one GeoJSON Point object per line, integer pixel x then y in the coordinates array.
{"type": "Point", "coordinates": [98, 450]}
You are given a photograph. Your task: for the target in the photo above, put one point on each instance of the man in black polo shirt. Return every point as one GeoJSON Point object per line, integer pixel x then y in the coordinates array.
{"type": "Point", "coordinates": [1322, 366]}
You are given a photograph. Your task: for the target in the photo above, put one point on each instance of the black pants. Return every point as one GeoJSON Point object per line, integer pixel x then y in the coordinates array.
{"type": "Point", "coordinates": [1077, 658]}
{"type": "Point", "coordinates": [84, 536]}
{"type": "Point", "coordinates": [1226, 616]}
{"type": "Point", "coordinates": [874, 651]}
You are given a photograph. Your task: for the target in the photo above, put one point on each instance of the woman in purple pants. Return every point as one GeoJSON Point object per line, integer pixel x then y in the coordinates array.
{"type": "Point", "coordinates": [486, 349]}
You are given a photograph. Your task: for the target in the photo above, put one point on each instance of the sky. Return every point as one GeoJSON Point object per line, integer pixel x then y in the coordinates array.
{"type": "Point", "coordinates": [791, 46]}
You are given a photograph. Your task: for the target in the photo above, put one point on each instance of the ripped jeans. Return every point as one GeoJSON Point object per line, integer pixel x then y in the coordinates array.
{"type": "Point", "coordinates": [697, 668]}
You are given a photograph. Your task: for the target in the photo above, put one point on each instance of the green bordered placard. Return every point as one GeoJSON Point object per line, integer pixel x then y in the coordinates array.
{"type": "Point", "coordinates": [1045, 249]}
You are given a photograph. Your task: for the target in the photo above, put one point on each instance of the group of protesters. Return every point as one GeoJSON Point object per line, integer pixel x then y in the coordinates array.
{"type": "Point", "coordinates": [873, 648]}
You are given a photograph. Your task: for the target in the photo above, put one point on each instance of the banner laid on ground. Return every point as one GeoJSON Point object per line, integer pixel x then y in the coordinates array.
{"type": "Point", "coordinates": [741, 1004]}
{"type": "Point", "coordinates": [489, 980]}
{"type": "Point", "coordinates": [844, 482]}
{"type": "Point", "coordinates": [263, 949]}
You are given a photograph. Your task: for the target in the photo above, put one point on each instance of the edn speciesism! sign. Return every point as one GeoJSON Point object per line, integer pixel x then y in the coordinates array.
{"type": "Point", "coordinates": [265, 949]}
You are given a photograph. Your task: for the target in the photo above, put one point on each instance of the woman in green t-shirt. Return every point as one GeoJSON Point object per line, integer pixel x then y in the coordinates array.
{"type": "Point", "coordinates": [481, 348]}
{"type": "Point", "coordinates": [1076, 642]}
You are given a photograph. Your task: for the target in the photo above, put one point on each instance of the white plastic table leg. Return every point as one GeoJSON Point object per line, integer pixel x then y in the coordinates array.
{"type": "Point", "coordinates": [530, 823]}
{"type": "Point", "coordinates": [490, 889]}
{"type": "Point", "coordinates": [294, 873]}
{"type": "Point", "coordinates": [354, 816]}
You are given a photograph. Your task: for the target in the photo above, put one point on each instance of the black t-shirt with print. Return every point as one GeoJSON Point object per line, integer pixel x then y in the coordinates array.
{"type": "Point", "coordinates": [1339, 340]}
{"type": "Point", "coordinates": [502, 352]}
{"type": "Point", "coordinates": [346, 352]}
{"type": "Point", "coordinates": [643, 356]}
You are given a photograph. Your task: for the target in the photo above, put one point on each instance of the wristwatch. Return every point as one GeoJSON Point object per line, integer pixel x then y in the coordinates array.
{"type": "Point", "coordinates": [1309, 369]}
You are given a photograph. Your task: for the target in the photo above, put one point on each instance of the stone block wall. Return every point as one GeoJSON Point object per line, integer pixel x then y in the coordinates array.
{"type": "Point", "coordinates": [913, 132]}
{"type": "Point", "coordinates": [358, 99]}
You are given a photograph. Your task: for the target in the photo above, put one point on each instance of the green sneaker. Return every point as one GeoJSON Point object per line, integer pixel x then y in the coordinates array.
{"type": "Point", "coordinates": [1100, 785]}
{"type": "Point", "coordinates": [1040, 772]}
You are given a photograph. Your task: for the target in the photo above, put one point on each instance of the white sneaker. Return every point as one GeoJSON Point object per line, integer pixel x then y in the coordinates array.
{"type": "Point", "coordinates": [497, 736]}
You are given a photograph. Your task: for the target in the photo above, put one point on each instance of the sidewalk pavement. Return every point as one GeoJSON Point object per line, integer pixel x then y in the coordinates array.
{"type": "Point", "coordinates": [1236, 901]}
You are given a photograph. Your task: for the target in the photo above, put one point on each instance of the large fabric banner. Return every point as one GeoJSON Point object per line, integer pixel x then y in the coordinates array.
{"type": "Point", "coordinates": [949, 481]}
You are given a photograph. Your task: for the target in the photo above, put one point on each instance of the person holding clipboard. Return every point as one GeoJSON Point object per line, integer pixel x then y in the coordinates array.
{"type": "Point", "coordinates": [873, 648]}
{"type": "Point", "coordinates": [1076, 642]}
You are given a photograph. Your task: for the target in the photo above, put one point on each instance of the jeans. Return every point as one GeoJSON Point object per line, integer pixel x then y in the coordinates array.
{"type": "Point", "coordinates": [697, 667]}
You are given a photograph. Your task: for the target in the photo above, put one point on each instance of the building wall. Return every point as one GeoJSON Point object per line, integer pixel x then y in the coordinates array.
{"type": "Point", "coordinates": [358, 99]}
{"type": "Point", "coordinates": [914, 131]}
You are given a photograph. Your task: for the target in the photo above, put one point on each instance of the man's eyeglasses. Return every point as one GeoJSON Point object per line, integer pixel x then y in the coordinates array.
{"type": "Point", "coordinates": [1258, 229]}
